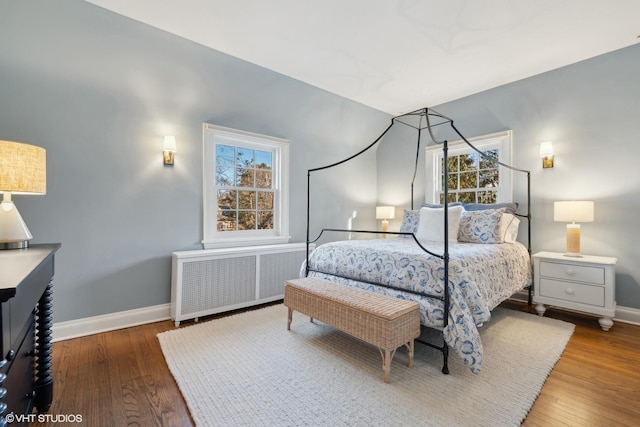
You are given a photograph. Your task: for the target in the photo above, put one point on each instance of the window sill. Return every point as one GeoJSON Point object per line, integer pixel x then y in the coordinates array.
{"type": "Point", "coordinates": [235, 242]}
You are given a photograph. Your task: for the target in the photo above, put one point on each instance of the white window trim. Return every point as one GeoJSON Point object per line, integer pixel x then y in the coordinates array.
{"type": "Point", "coordinates": [212, 239]}
{"type": "Point", "coordinates": [501, 140]}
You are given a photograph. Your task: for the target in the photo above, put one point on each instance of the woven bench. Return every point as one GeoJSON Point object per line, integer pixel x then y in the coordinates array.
{"type": "Point", "coordinates": [383, 321]}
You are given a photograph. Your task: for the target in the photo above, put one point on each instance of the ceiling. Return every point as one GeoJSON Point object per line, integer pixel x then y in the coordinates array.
{"type": "Point", "coordinates": [398, 55]}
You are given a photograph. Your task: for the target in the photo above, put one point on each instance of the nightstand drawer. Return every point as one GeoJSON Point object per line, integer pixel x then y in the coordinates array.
{"type": "Point", "coordinates": [579, 273]}
{"type": "Point", "coordinates": [575, 292]}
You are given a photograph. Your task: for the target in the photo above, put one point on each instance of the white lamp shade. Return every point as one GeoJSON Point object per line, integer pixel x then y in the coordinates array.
{"type": "Point", "coordinates": [573, 211]}
{"type": "Point", "coordinates": [546, 149]}
{"type": "Point", "coordinates": [385, 212]}
{"type": "Point", "coordinates": [170, 143]}
{"type": "Point", "coordinates": [23, 168]}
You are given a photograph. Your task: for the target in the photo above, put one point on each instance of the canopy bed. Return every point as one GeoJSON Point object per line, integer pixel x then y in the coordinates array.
{"type": "Point", "coordinates": [470, 247]}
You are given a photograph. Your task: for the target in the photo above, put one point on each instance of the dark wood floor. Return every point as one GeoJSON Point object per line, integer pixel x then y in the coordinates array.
{"type": "Point", "coordinates": [120, 378]}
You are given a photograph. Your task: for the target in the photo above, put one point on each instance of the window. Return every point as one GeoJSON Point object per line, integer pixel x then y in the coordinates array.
{"type": "Point", "coordinates": [245, 188]}
{"type": "Point", "coordinates": [471, 178]}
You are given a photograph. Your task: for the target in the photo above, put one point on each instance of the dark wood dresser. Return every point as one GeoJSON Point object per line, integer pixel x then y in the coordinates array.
{"type": "Point", "coordinates": [26, 317]}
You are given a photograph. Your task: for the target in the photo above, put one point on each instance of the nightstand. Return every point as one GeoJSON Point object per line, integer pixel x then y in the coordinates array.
{"type": "Point", "coordinates": [586, 284]}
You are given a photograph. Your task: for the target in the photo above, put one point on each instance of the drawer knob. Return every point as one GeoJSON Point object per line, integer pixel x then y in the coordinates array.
{"type": "Point", "coordinates": [569, 291]}
{"type": "Point", "coordinates": [569, 272]}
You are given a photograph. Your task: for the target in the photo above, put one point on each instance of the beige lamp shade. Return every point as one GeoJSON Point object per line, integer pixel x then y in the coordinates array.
{"type": "Point", "coordinates": [23, 168]}
{"type": "Point", "coordinates": [385, 212]}
{"type": "Point", "coordinates": [573, 211]}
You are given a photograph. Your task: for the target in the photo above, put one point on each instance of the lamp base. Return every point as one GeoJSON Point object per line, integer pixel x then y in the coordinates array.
{"type": "Point", "coordinates": [571, 254]}
{"type": "Point", "coordinates": [14, 233]}
{"type": "Point", "coordinates": [14, 245]}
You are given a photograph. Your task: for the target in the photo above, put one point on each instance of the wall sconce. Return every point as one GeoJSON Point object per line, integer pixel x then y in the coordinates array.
{"type": "Point", "coordinates": [169, 150]}
{"type": "Point", "coordinates": [385, 213]}
{"type": "Point", "coordinates": [23, 170]}
{"type": "Point", "coordinates": [546, 152]}
{"type": "Point", "coordinates": [572, 212]}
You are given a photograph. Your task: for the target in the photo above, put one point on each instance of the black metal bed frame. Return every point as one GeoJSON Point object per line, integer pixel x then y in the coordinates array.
{"type": "Point", "coordinates": [423, 120]}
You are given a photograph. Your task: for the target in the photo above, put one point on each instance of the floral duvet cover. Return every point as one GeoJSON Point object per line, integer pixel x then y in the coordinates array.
{"type": "Point", "coordinates": [480, 277]}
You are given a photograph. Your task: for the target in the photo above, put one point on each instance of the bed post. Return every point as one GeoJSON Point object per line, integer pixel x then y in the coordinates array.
{"type": "Point", "coordinates": [445, 202]}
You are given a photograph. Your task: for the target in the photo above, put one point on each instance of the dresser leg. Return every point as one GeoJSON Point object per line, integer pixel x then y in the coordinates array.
{"type": "Point", "coordinates": [44, 322]}
{"type": "Point", "coordinates": [605, 323]}
{"type": "Point", "coordinates": [540, 309]}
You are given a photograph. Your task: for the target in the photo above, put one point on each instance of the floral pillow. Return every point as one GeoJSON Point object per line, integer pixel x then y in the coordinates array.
{"type": "Point", "coordinates": [482, 226]}
{"type": "Point", "coordinates": [410, 221]}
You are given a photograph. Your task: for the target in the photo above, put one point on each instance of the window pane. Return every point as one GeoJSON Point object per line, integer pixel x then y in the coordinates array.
{"type": "Point", "coordinates": [263, 178]}
{"type": "Point", "coordinates": [226, 220]}
{"type": "Point", "coordinates": [489, 178]}
{"type": "Point", "coordinates": [244, 157]}
{"type": "Point", "coordinates": [246, 220]}
{"type": "Point", "coordinates": [245, 177]}
{"type": "Point", "coordinates": [467, 197]}
{"type": "Point", "coordinates": [225, 176]}
{"type": "Point", "coordinates": [469, 161]}
{"type": "Point", "coordinates": [225, 155]}
{"type": "Point", "coordinates": [469, 179]}
{"type": "Point", "coordinates": [264, 159]}
{"type": "Point", "coordinates": [453, 164]}
{"type": "Point", "coordinates": [226, 199]}
{"type": "Point", "coordinates": [246, 200]}
{"type": "Point", "coordinates": [265, 200]}
{"type": "Point", "coordinates": [487, 196]}
{"type": "Point", "coordinates": [487, 163]}
{"type": "Point", "coordinates": [265, 220]}
{"type": "Point", "coordinates": [452, 181]}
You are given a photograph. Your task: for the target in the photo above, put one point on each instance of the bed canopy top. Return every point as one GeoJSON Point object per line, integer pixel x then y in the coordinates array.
{"type": "Point", "coordinates": [427, 119]}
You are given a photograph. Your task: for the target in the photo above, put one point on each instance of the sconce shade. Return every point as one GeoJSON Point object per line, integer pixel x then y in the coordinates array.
{"type": "Point", "coordinates": [23, 168]}
{"type": "Point", "coordinates": [546, 152]}
{"type": "Point", "coordinates": [573, 211]}
{"type": "Point", "coordinates": [385, 212]}
{"type": "Point", "coordinates": [546, 149]}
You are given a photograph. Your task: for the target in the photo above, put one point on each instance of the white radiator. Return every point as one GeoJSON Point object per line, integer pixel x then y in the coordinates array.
{"type": "Point", "coordinates": [210, 281]}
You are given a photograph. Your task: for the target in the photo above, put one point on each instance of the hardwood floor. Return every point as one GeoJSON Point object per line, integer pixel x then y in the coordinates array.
{"type": "Point", "coordinates": [120, 378]}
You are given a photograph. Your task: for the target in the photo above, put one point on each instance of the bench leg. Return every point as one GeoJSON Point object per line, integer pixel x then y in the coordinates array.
{"type": "Point", "coordinates": [386, 365]}
{"type": "Point", "coordinates": [410, 347]}
{"type": "Point", "coordinates": [289, 318]}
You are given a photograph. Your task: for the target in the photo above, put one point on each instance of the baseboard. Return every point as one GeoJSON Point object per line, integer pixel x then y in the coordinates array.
{"type": "Point", "coordinates": [125, 319]}
{"type": "Point", "coordinates": [623, 314]}
{"type": "Point", "coordinates": [110, 322]}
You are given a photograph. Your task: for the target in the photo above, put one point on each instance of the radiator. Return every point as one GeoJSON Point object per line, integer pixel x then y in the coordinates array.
{"type": "Point", "coordinates": [210, 281]}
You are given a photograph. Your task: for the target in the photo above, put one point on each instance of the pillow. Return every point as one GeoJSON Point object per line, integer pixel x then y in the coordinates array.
{"type": "Point", "coordinates": [481, 226]}
{"type": "Point", "coordinates": [431, 225]}
{"type": "Point", "coordinates": [410, 220]}
{"type": "Point", "coordinates": [509, 227]}
{"type": "Point", "coordinates": [508, 207]}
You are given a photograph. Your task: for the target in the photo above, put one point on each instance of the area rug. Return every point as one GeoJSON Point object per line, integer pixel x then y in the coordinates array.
{"type": "Point", "coordinates": [247, 369]}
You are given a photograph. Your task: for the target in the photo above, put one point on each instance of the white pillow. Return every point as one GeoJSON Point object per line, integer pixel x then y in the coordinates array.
{"type": "Point", "coordinates": [509, 225]}
{"type": "Point", "coordinates": [431, 225]}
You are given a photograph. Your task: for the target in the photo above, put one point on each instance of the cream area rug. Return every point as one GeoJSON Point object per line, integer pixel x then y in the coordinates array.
{"type": "Point", "coordinates": [248, 370]}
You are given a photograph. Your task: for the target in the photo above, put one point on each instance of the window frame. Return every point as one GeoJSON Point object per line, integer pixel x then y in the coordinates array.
{"type": "Point", "coordinates": [212, 238]}
{"type": "Point", "coordinates": [502, 141]}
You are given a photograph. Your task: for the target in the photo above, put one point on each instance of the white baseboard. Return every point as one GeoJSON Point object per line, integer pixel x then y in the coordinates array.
{"type": "Point", "coordinates": [110, 322]}
{"type": "Point", "coordinates": [140, 316]}
{"type": "Point", "coordinates": [628, 315]}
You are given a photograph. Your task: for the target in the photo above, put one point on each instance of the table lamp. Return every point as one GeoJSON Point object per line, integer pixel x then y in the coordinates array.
{"type": "Point", "coordinates": [23, 170]}
{"type": "Point", "coordinates": [571, 212]}
{"type": "Point", "coordinates": [385, 213]}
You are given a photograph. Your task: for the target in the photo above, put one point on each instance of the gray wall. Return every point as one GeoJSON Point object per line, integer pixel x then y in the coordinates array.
{"type": "Point", "coordinates": [589, 111]}
{"type": "Point", "coordinates": [99, 91]}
